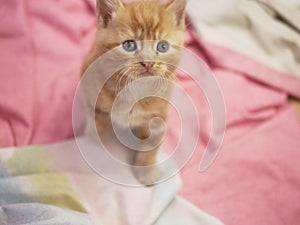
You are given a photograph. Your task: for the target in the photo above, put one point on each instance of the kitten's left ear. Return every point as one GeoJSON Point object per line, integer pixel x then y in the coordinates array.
{"type": "Point", "coordinates": [106, 10]}
{"type": "Point", "coordinates": [178, 7]}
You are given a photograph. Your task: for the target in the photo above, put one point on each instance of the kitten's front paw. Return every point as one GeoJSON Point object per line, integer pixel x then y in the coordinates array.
{"type": "Point", "coordinates": [147, 175]}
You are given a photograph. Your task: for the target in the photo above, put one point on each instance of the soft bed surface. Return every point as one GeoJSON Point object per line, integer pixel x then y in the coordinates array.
{"type": "Point", "coordinates": [254, 180]}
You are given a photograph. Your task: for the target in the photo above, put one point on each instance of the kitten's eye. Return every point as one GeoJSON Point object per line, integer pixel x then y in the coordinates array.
{"type": "Point", "coordinates": [163, 46]}
{"type": "Point", "coordinates": [129, 46]}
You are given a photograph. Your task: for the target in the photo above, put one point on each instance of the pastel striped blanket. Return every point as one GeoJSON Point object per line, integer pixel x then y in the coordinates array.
{"type": "Point", "coordinates": [52, 184]}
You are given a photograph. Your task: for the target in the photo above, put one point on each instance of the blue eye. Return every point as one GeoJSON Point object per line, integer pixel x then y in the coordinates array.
{"type": "Point", "coordinates": [162, 46]}
{"type": "Point", "coordinates": [129, 45]}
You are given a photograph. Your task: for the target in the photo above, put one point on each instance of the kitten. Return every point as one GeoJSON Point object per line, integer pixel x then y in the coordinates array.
{"type": "Point", "coordinates": [124, 25]}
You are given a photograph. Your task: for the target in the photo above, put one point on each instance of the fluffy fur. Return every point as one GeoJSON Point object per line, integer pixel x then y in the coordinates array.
{"type": "Point", "coordinates": [137, 21]}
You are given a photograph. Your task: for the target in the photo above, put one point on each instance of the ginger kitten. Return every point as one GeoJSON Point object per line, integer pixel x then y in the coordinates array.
{"type": "Point", "coordinates": [130, 26]}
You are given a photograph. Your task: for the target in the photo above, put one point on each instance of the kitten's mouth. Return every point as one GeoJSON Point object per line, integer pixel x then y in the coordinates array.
{"type": "Point", "coordinates": [147, 72]}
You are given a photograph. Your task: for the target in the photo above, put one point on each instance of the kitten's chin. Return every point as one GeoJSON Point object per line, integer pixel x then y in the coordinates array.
{"type": "Point", "coordinates": [147, 73]}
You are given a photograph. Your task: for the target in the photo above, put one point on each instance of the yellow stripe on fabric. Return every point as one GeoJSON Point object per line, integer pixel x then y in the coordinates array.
{"type": "Point", "coordinates": [42, 182]}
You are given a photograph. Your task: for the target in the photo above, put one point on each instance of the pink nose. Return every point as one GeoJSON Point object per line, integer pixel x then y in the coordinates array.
{"type": "Point", "coordinates": [147, 65]}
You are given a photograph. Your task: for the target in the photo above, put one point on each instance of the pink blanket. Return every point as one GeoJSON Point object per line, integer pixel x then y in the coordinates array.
{"type": "Point", "coordinates": [255, 179]}
{"type": "Point", "coordinates": [42, 47]}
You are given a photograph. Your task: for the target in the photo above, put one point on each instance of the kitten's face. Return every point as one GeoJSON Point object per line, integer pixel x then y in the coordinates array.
{"type": "Point", "coordinates": [148, 34]}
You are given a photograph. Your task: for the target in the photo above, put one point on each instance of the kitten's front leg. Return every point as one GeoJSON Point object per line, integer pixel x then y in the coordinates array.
{"type": "Point", "coordinates": [147, 172]}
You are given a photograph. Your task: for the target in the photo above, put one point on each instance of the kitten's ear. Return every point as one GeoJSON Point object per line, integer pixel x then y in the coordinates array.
{"type": "Point", "coordinates": [178, 7]}
{"type": "Point", "coordinates": [106, 10]}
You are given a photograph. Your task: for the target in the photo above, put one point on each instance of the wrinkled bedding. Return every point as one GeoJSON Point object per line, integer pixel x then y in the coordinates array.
{"type": "Point", "coordinates": [256, 174]}
{"type": "Point", "coordinates": [40, 185]}
{"type": "Point", "coordinates": [42, 48]}
{"type": "Point", "coordinates": [265, 30]}
{"type": "Point", "coordinates": [255, 178]}
{"type": "Point", "coordinates": [40, 214]}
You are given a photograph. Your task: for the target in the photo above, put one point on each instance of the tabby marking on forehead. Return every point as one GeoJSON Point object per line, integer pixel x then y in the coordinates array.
{"type": "Point", "coordinates": [149, 20]}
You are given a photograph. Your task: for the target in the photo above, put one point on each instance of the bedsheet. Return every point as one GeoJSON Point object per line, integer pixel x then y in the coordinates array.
{"type": "Point", "coordinates": [256, 175]}
{"type": "Point", "coordinates": [42, 48]}
{"type": "Point", "coordinates": [40, 214]}
{"type": "Point", "coordinates": [265, 30]}
{"type": "Point", "coordinates": [254, 180]}
{"type": "Point", "coordinates": [52, 184]}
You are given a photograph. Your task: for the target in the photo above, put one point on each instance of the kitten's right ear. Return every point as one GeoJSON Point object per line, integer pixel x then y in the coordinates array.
{"type": "Point", "coordinates": [106, 10]}
{"type": "Point", "coordinates": [177, 7]}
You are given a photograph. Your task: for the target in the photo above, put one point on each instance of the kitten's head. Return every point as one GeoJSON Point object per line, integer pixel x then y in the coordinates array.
{"type": "Point", "coordinates": [148, 33]}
